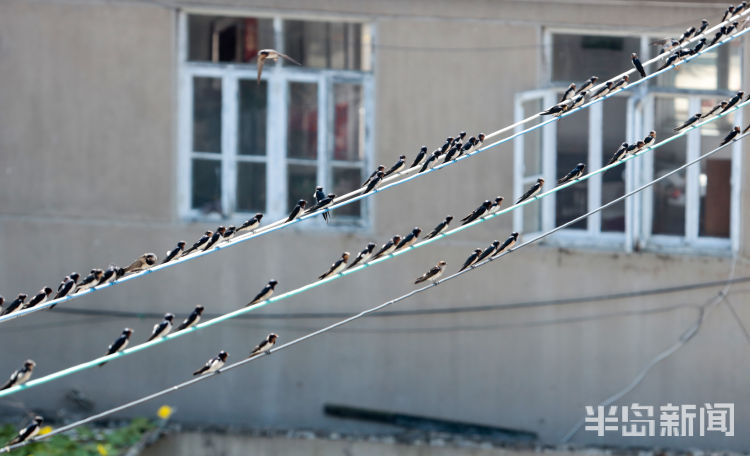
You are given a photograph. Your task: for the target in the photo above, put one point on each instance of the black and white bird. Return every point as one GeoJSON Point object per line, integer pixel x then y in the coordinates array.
{"type": "Point", "coordinates": [38, 298]}
{"type": "Point", "coordinates": [478, 212]}
{"type": "Point", "coordinates": [213, 364]}
{"type": "Point", "coordinates": [174, 253]}
{"type": "Point", "coordinates": [67, 285]}
{"type": "Point", "coordinates": [558, 109]}
{"type": "Point", "coordinates": [635, 148]}
{"type": "Point", "coordinates": [687, 35]}
{"type": "Point", "coordinates": [430, 160]}
{"type": "Point", "coordinates": [15, 304]}
{"type": "Point", "coordinates": [730, 137]}
{"type": "Point", "coordinates": [388, 247]}
{"type": "Point", "coordinates": [459, 137]}
{"type": "Point", "coordinates": [216, 237]}
{"type": "Point", "coordinates": [721, 105]}
{"type": "Point", "coordinates": [250, 224]}
{"type": "Point", "coordinates": [398, 166]}
{"type": "Point", "coordinates": [375, 182]}
{"type": "Point", "coordinates": [271, 54]}
{"type": "Point", "coordinates": [496, 205]}
{"type": "Point", "coordinates": [587, 85]}
{"type": "Point", "coordinates": [111, 274]}
{"type": "Point", "coordinates": [264, 346]}
{"type": "Point", "coordinates": [297, 211]}
{"type": "Point", "coordinates": [91, 280]}
{"type": "Point", "coordinates": [336, 267]}
{"type": "Point", "coordinates": [697, 48]}
{"type": "Point", "coordinates": [695, 118]}
{"type": "Point", "coordinates": [141, 263]}
{"type": "Point", "coordinates": [27, 433]}
{"type": "Point", "coordinates": [192, 319]}
{"type": "Point", "coordinates": [420, 156]}
{"type": "Point", "coordinates": [200, 242]}
{"type": "Point", "coordinates": [716, 38]}
{"type": "Point", "coordinates": [162, 328]}
{"type": "Point", "coordinates": [471, 259]}
{"type": "Point", "coordinates": [363, 255]}
{"type": "Point", "coordinates": [451, 154]}
{"type": "Point", "coordinates": [440, 227]}
{"type": "Point", "coordinates": [704, 25]}
{"type": "Point", "coordinates": [469, 147]}
{"type": "Point", "coordinates": [228, 233]}
{"type": "Point", "coordinates": [650, 139]}
{"type": "Point", "coordinates": [409, 239]}
{"type": "Point", "coordinates": [727, 13]}
{"type": "Point", "coordinates": [533, 191]}
{"type": "Point", "coordinates": [735, 99]}
{"type": "Point", "coordinates": [20, 376]}
{"type": "Point", "coordinates": [119, 344]}
{"type": "Point", "coordinates": [619, 154]}
{"type": "Point", "coordinates": [380, 169]}
{"type": "Point", "coordinates": [322, 204]}
{"type": "Point", "coordinates": [603, 90]}
{"type": "Point", "coordinates": [569, 92]}
{"type": "Point", "coordinates": [579, 100]}
{"type": "Point", "coordinates": [265, 293]}
{"type": "Point", "coordinates": [622, 82]}
{"type": "Point", "coordinates": [446, 145]}
{"type": "Point", "coordinates": [575, 173]}
{"type": "Point", "coordinates": [637, 64]}
{"type": "Point", "coordinates": [508, 244]}
{"type": "Point", "coordinates": [433, 274]}
{"type": "Point", "coordinates": [738, 9]}
{"type": "Point", "coordinates": [492, 248]}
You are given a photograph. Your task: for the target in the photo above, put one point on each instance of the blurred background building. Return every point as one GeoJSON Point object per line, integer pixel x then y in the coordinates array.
{"type": "Point", "coordinates": [126, 126]}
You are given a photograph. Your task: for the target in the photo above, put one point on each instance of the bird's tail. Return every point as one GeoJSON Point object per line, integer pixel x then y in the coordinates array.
{"type": "Point", "coordinates": [420, 280]}
{"type": "Point", "coordinates": [200, 371]}
{"type": "Point", "coordinates": [6, 386]}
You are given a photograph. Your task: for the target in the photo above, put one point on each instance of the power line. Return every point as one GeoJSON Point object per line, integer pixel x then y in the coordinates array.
{"type": "Point", "coordinates": [683, 339]}
{"type": "Point", "coordinates": [233, 314]}
{"type": "Point", "coordinates": [389, 182]}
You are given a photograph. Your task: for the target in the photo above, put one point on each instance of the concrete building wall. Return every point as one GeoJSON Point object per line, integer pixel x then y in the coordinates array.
{"type": "Point", "coordinates": [88, 159]}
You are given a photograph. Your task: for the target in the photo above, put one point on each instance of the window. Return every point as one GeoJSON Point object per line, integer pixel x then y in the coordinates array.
{"type": "Point", "coordinates": [249, 146]}
{"type": "Point", "coordinates": [697, 209]}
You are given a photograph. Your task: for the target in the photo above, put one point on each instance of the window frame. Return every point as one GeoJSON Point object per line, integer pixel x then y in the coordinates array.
{"type": "Point", "coordinates": [277, 79]}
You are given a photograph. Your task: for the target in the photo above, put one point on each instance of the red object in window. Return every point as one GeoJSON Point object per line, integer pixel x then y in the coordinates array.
{"type": "Point", "coordinates": [250, 40]}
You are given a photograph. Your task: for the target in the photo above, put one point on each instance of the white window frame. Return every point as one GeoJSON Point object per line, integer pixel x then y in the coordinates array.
{"type": "Point", "coordinates": [277, 78]}
{"type": "Point", "coordinates": [638, 208]}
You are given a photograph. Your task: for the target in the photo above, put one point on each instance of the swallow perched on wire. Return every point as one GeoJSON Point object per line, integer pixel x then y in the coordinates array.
{"type": "Point", "coordinates": [363, 255]}
{"type": "Point", "coordinates": [297, 211]}
{"type": "Point", "coordinates": [732, 134]}
{"type": "Point", "coordinates": [38, 298]}
{"type": "Point", "coordinates": [250, 224]}
{"type": "Point", "coordinates": [635, 148]}
{"type": "Point", "coordinates": [558, 109]}
{"type": "Point", "coordinates": [704, 25]}
{"type": "Point", "coordinates": [650, 139]}
{"type": "Point", "coordinates": [398, 166]}
{"type": "Point", "coordinates": [729, 29]}
{"type": "Point", "coordinates": [533, 191]}
{"type": "Point", "coordinates": [264, 346]}
{"type": "Point", "coordinates": [569, 92]}
{"type": "Point", "coordinates": [459, 137]}
{"type": "Point", "coordinates": [587, 85]}
{"type": "Point", "coordinates": [229, 233]}
{"type": "Point", "coordinates": [15, 304]}
{"type": "Point", "coordinates": [727, 13]}
{"type": "Point", "coordinates": [621, 83]}
{"type": "Point", "coordinates": [575, 173]}
{"type": "Point", "coordinates": [637, 64]}
{"type": "Point", "coordinates": [488, 251]}
{"type": "Point", "coordinates": [111, 274]}
{"type": "Point", "coordinates": [91, 280]}
{"type": "Point", "coordinates": [433, 156]}
{"type": "Point", "coordinates": [213, 364]}
{"type": "Point", "coordinates": [507, 245]}
{"type": "Point", "coordinates": [119, 344]}
{"type": "Point", "coordinates": [220, 230]}
{"type": "Point", "coordinates": [721, 105]}
{"type": "Point", "coordinates": [374, 174]}
{"type": "Point", "coordinates": [27, 433]}
{"type": "Point", "coordinates": [433, 274]}
{"type": "Point", "coordinates": [200, 242]}
{"type": "Point", "coordinates": [420, 156]}
{"type": "Point", "coordinates": [478, 212]}
{"type": "Point", "coordinates": [66, 286]}
{"type": "Point", "coordinates": [265, 293]}
{"type": "Point", "coordinates": [20, 376]}
{"type": "Point", "coordinates": [162, 328]}
{"type": "Point", "coordinates": [471, 259]}
{"type": "Point", "coordinates": [496, 205]}
{"type": "Point", "coordinates": [336, 267]}
{"type": "Point", "coordinates": [388, 247]}
{"type": "Point", "coordinates": [375, 182]}
{"type": "Point", "coordinates": [701, 43]}
{"type": "Point", "coordinates": [323, 203]}
{"type": "Point", "coordinates": [738, 9]}
{"type": "Point", "coordinates": [469, 147]}
{"type": "Point", "coordinates": [409, 239]}
{"type": "Point", "coordinates": [440, 227]}
{"type": "Point", "coordinates": [602, 91]}
{"type": "Point", "coordinates": [695, 118]}
{"type": "Point", "coordinates": [687, 35]}
{"type": "Point", "coordinates": [579, 100]}
{"type": "Point", "coordinates": [192, 319]}
{"type": "Point", "coordinates": [174, 253]}
{"type": "Point", "coordinates": [142, 262]}
{"type": "Point", "coordinates": [716, 38]}
{"type": "Point", "coordinates": [733, 101]}
{"type": "Point", "coordinates": [271, 54]}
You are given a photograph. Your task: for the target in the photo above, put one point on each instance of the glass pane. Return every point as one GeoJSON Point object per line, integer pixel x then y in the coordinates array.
{"type": "Point", "coordinates": [532, 141]}
{"type": "Point", "coordinates": [669, 194]}
{"type": "Point", "coordinates": [348, 124]}
{"type": "Point", "coordinates": [206, 185]}
{"type": "Point", "coordinates": [572, 148]}
{"type": "Point", "coordinates": [302, 128]}
{"type": "Point", "coordinates": [717, 69]}
{"type": "Point", "coordinates": [613, 181]}
{"type": "Point", "coordinates": [715, 176]}
{"type": "Point", "coordinates": [344, 181]}
{"type": "Point", "coordinates": [578, 57]}
{"type": "Point", "coordinates": [207, 115]}
{"type": "Point", "coordinates": [532, 216]}
{"type": "Point", "coordinates": [327, 44]}
{"type": "Point", "coordinates": [227, 39]}
{"type": "Point", "coordinates": [251, 187]}
{"type": "Point", "coordinates": [301, 182]}
{"type": "Point", "coordinates": [252, 118]}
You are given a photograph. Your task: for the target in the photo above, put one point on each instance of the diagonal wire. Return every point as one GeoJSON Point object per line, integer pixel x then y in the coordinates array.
{"type": "Point", "coordinates": [737, 318]}
{"type": "Point", "coordinates": [391, 181]}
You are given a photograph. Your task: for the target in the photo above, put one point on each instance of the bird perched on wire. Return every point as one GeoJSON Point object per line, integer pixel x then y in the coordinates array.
{"type": "Point", "coordinates": [265, 293]}
{"type": "Point", "coordinates": [635, 148]}
{"type": "Point", "coordinates": [727, 13]}
{"type": "Point", "coordinates": [732, 134]}
{"type": "Point", "coordinates": [229, 233]}
{"type": "Point", "coordinates": [336, 267]}
{"type": "Point", "coordinates": [496, 205]}
{"type": "Point", "coordinates": [213, 364]}
{"type": "Point", "coordinates": [695, 118]}
{"type": "Point", "coordinates": [119, 344]}
{"type": "Point", "coordinates": [174, 253]}
{"type": "Point", "coordinates": [323, 203]}
{"type": "Point", "coordinates": [721, 105]}
{"type": "Point", "coordinates": [264, 346]}
{"type": "Point", "coordinates": [420, 155]}
{"type": "Point", "coordinates": [388, 247]}
{"type": "Point", "coordinates": [433, 274]}
{"type": "Point", "coordinates": [398, 166]}
{"type": "Point", "coordinates": [27, 433]}
{"type": "Point", "coordinates": [162, 328]}
{"type": "Point", "coordinates": [569, 92]}
{"type": "Point", "coordinates": [38, 298]}
{"type": "Point", "coordinates": [430, 160]}
{"type": "Point", "coordinates": [471, 259]}
{"type": "Point", "coordinates": [67, 285]}
{"type": "Point", "coordinates": [90, 281]}
{"type": "Point", "coordinates": [141, 263]}
{"type": "Point", "coordinates": [200, 242]}
{"type": "Point", "coordinates": [637, 64]}
{"type": "Point", "coordinates": [478, 212]}
{"type": "Point", "coordinates": [192, 319]}
{"type": "Point", "coordinates": [733, 101]}
{"type": "Point", "coordinates": [374, 182]}
{"type": "Point", "coordinates": [440, 227]}
{"type": "Point", "coordinates": [297, 211]}
{"type": "Point", "coordinates": [704, 25]}
{"type": "Point", "coordinates": [701, 43]}
{"type": "Point", "coordinates": [216, 237]}
{"type": "Point", "coordinates": [250, 224]}
{"type": "Point", "coordinates": [602, 91]}
{"type": "Point", "coordinates": [271, 54]}
{"type": "Point", "coordinates": [488, 251]}
{"type": "Point", "coordinates": [533, 191]}
{"type": "Point", "coordinates": [15, 304]}
{"type": "Point", "coordinates": [650, 139]}
{"type": "Point", "coordinates": [622, 82]}
{"type": "Point", "coordinates": [380, 168]}
{"type": "Point", "coordinates": [20, 376]}
{"type": "Point", "coordinates": [687, 35]}
{"type": "Point", "coordinates": [409, 239]}
{"type": "Point", "coordinates": [587, 85]}
{"type": "Point", "coordinates": [575, 173]}
{"type": "Point", "coordinates": [507, 245]}
{"type": "Point", "coordinates": [363, 255]}
{"type": "Point", "coordinates": [111, 274]}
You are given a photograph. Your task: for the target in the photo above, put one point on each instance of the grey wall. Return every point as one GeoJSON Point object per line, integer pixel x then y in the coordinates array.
{"type": "Point", "coordinates": [87, 155]}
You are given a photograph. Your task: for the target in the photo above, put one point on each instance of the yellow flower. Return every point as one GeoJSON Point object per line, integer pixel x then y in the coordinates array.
{"type": "Point", "coordinates": [45, 430]}
{"type": "Point", "coordinates": [164, 412]}
{"type": "Point", "coordinates": [101, 449]}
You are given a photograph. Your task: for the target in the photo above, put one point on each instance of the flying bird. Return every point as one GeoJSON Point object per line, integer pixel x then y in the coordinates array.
{"type": "Point", "coordinates": [192, 319]}
{"type": "Point", "coordinates": [271, 54]}
{"type": "Point", "coordinates": [162, 328]}
{"type": "Point", "coordinates": [409, 239]}
{"type": "Point", "coordinates": [15, 304]}
{"type": "Point", "coordinates": [388, 247]}
{"type": "Point", "coordinates": [363, 255]}
{"type": "Point", "coordinates": [265, 293]}
{"type": "Point", "coordinates": [20, 376]}
{"type": "Point", "coordinates": [398, 166]}
{"type": "Point", "coordinates": [200, 242]}
{"type": "Point", "coordinates": [39, 298]}
{"type": "Point", "coordinates": [264, 346]}
{"type": "Point", "coordinates": [471, 259]}
{"type": "Point", "coordinates": [250, 224]}
{"type": "Point", "coordinates": [174, 253]}
{"type": "Point", "coordinates": [573, 174]}
{"type": "Point", "coordinates": [440, 227]}
{"type": "Point", "coordinates": [488, 251]}
{"type": "Point", "coordinates": [213, 364]}
{"type": "Point", "coordinates": [533, 191]}
{"type": "Point", "coordinates": [420, 156]}
{"type": "Point", "coordinates": [28, 432]}
{"type": "Point", "coordinates": [732, 134]}
{"type": "Point", "coordinates": [507, 245]}
{"type": "Point", "coordinates": [588, 84]}
{"type": "Point", "coordinates": [336, 267]}
{"type": "Point", "coordinates": [119, 344]}
{"type": "Point", "coordinates": [695, 118]}
{"type": "Point", "coordinates": [297, 211]}
{"type": "Point", "coordinates": [637, 64]}
{"type": "Point", "coordinates": [433, 274]}
{"type": "Point", "coordinates": [142, 262]}
{"type": "Point", "coordinates": [569, 92]}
